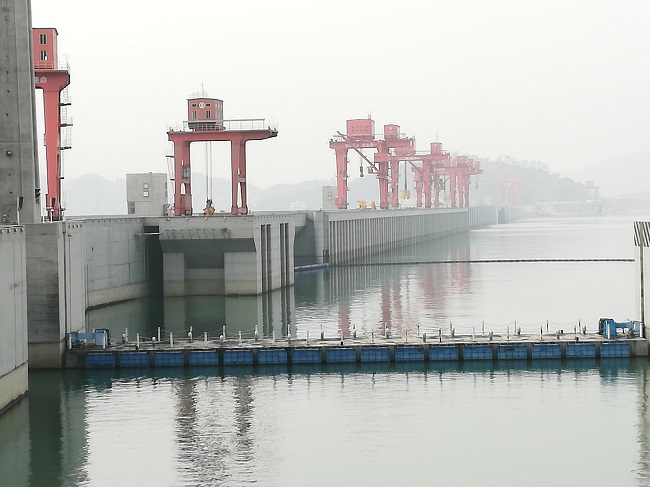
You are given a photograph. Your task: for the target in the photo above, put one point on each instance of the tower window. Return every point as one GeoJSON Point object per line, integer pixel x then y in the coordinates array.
{"type": "Point", "coordinates": [145, 194]}
{"type": "Point", "coordinates": [43, 56]}
{"type": "Point", "coordinates": [42, 38]}
{"type": "Point", "coordinates": [131, 208]}
{"type": "Point", "coordinates": [193, 105]}
{"type": "Point", "coordinates": [193, 114]}
{"type": "Point", "coordinates": [208, 114]}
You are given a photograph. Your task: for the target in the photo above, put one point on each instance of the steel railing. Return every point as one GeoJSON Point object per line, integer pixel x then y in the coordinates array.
{"type": "Point", "coordinates": [243, 124]}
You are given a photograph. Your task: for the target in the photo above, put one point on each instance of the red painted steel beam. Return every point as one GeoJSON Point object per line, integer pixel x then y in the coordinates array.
{"type": "Point", "coordinates": [183, 171]}
{"type": "Point", "coordinates": [52, 82]}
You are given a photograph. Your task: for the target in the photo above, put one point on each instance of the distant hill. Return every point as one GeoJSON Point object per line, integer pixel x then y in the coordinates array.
{"type": "Point", "coordinates": [623, 176]}
{"type": "Point", "coordinates": [94, 195]}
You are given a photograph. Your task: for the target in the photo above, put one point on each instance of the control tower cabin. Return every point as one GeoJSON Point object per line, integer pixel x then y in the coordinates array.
{"type": "Point", "coordinates": [205, 114]}
{"type": "Point", "coordinates": [45, 42]}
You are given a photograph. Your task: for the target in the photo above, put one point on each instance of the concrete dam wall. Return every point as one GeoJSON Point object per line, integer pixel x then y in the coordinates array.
{"type": "Point", "coordinates": [72, 266]}
{"type": "Point", "coordinates": [344, 236]}
{"type": "Point", "coordinates": [116, 260]}
{"type": "Point", "coordinates": [13, 315]}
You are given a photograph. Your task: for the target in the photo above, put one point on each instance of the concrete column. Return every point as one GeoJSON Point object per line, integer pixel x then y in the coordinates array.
{"type": "Point", "coordinates": [18, 151]}
{"type": "Point", "coordinates": [56, 290]}
{"type": "Point", "coordinates": [642, 263]}
{"type": "Point", "coordinates": [13, 325]}
{"type": "Point", "coordinates": [242, 273]}
{"type": "Point", "coordinates": [276, 251]}
{"type": "Point", "coordinates": [321, 235]}
{"type": "Point", "coordinates": [290, 239]}
{"type": "Point", "coordinates": [174, 274]}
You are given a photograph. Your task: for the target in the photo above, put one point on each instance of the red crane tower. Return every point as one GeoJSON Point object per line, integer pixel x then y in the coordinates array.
{"type": "Point", "coordinates": [461, 169]}
{"type": "Point", "coordinates": [361, 135]}
{"type": "Point", "coordinates": [434, 165]}
{"type": "Point", "coordinates": [205, 124]}
{"type": "Point", "coordinates": [52, 79]}
{"type": "Point", "coordinates": [509, 191]}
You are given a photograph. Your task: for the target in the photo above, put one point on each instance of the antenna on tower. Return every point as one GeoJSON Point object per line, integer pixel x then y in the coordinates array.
{"type": "Point", "coordinates": [369, 115]}
{"type": "Point", "coordinates": [202, 89]}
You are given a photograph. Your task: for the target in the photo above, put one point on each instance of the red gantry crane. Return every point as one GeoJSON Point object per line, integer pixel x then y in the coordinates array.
{"type": "Point", "coordinates": [460, 170]}
{"type": "Point", "coordinates": [205, 123]}
{"type": "Point", "coordinates": [433, 169]}
{"type": "Point", "coordinates": [436, 166]}
{"type": "Point", "coordinates": [52, 78]}
{"type": "Point", "coordinates": [430, 169]}
{"type": "Point", "coordinates": [361, 135]}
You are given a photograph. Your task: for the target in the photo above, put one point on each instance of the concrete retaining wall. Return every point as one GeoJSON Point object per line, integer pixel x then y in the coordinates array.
{"type": "Point", "coordinates": [56, 291]}
{"type": "Point", "coordinates": [357, 234]}
{"type": "Point", "coordinates": [13, 315]}
{"type": "Point", "coordinates": [341, 236]}
{"type": "Point", "coordinates": [227, 255]}
{"type": "Point", "coordinates": [115, 260]}
{"type": "Point", "coordinates": [480, 216]}
{"type": "Point", "coordinates": [509, 214]}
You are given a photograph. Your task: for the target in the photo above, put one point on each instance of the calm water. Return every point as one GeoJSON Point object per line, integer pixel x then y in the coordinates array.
{"type": "Point", "coordinates": [546, 423]}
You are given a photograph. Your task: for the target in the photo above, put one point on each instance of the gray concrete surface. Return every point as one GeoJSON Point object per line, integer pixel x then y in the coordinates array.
{"type": "Point", "coordinates": [18, 151]}
{"type": "Point", "coordinates": [56, 288]}
{"type": "Point", "coordinates": [13, 315]}
{"type": "Point", "coordinates": [115, 260]}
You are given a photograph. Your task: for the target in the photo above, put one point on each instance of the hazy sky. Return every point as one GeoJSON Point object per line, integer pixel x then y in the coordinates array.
{"type": "Point", "coordinates": [563, 82]}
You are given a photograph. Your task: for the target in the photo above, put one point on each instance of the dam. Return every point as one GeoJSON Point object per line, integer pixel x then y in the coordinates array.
{"type": "Point", "coordinates": [56, 268]}
{"type": "Point", "coordinates": [75, 265]}
{"type": "Point", "coordinates": [61, 267]}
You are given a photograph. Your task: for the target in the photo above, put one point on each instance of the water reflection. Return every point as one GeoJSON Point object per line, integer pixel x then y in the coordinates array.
{"type": "Point", "coordinates": [343, 299]}
{"type": "Point", "coordinates": [43, 439]}
{"type": "Point", "coordinates": [225, 421]}
{"type": "Point", "coordinates": [245, 424]}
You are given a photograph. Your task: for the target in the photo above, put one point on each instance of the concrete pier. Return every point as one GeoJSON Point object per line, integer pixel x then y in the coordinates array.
{"type": "Point", "coordinates": [19, 179]}
{"type": "Point", "coordinates": [225, 254]}
{"type": "Point", "coordinates": [56, 294]}
{"type": "Point", "coordinates": [19, 191]}
{"type": "Point", "coordinates": [13, 318]}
